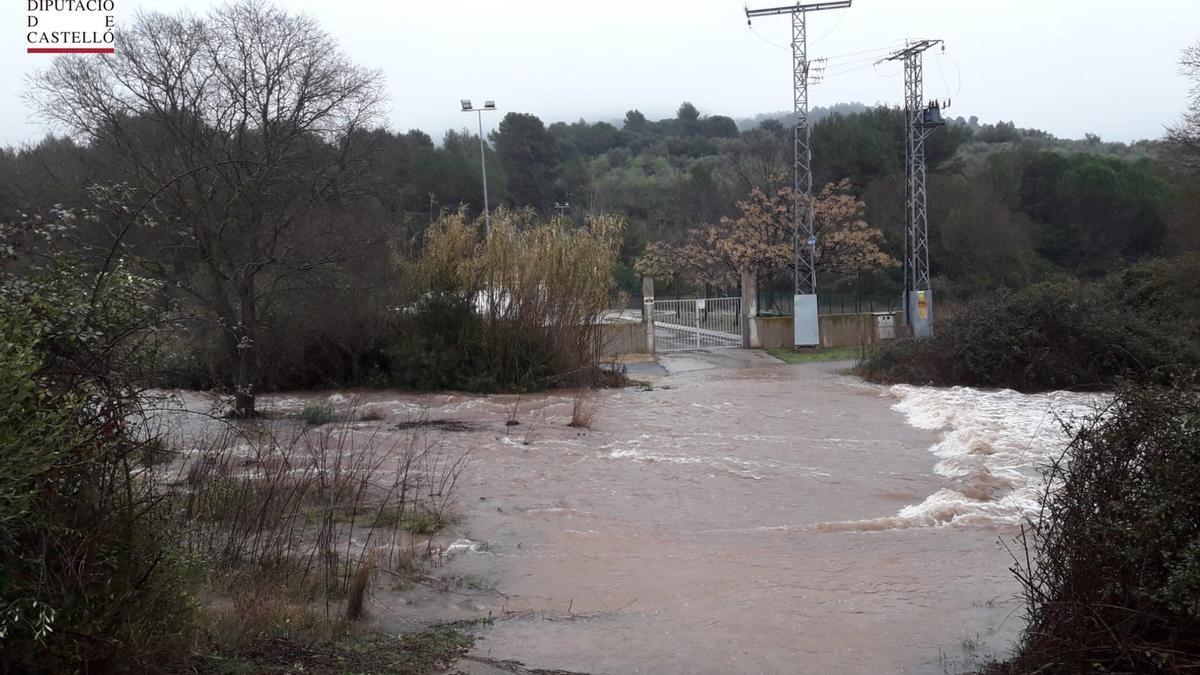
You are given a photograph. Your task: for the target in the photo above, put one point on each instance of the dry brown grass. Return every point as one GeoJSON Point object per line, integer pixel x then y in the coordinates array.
{"type": "Point", "coordinates": [357, 594]}
{"type": "Point", "coordinates": [245, 606]}
{"type": "Point", "coordinates": [294, 518]}
{"type": "Point", "coordinates": [583, 411]}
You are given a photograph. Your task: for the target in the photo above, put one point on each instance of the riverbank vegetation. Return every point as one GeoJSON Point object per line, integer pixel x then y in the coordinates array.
{"type": "Point", "coordinates": [1139, 323]}
{"type": "Point", "coordinates": [239, 546]}
{"type": "Point", "coordinates": [1110, 567]}
{"type": "Point", "coordinates": [124, 545]}
{"type": "Point", "coordinates": [519, 310]}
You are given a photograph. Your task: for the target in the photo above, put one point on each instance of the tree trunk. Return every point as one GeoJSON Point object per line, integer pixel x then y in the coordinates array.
{"type": "Point", "coordinates": [247, 354]}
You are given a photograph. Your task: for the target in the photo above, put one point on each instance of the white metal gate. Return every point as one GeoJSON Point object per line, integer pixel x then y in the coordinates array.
{"type": "Point", "coordinates": [707, 323]}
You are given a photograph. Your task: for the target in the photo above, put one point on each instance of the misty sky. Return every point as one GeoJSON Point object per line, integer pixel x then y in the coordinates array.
{"type": "Point", "coordinates": [1066, 66]}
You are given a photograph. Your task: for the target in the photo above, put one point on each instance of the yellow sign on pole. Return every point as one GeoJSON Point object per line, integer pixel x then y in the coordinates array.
{"type": "Point", "coordinates": [922, 306]}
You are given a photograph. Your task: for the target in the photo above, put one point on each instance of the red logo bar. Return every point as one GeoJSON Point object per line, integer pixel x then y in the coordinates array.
{"type": "Point", "coordinates": [70, 50]}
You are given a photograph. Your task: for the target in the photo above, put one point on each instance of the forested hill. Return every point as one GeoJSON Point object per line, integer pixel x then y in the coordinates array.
{"type": "Point", "coordinates": [1007, 205]}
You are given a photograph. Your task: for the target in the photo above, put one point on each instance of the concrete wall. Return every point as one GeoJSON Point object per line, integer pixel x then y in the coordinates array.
{"type": "Point", "coordinates": [626, 337]}
{"type": "Point", "coordinates": [837, 330]}
{"type": "Point", "coordinates": [775, 331]}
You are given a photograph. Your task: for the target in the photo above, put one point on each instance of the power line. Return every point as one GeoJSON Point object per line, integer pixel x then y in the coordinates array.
{"type": "Point", "coordinates": [877, 50]}
{"type": "Point", "coordinates": [760, 36]}
{"type": "Point", "coordinates": [839, 70]}
{"type": "Point", "coordinates": [776, 45]}
{"type": "Point", "coordinates": [847, 62]}
{"type": "Point", "coordinates": [957, 73]}
{"type": "Point", "coordinates": [842, 71]}
{"type": "Point", "coordinates": [885, 75]}
{"type": "Point", "coordinates": [942, 72]}
{"type": "Point", "coordinates": [835, 27]}
{"type": "Point", "coordinates": [866, 56]}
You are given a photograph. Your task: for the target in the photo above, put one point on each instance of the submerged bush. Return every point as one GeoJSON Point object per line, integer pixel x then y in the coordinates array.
{"type": "Point", "coordinates": [316, 413]}
{"type": "Point", "coordinates": [1060, 335]}
{"type": "Point", "coordinates": [1111, 568]}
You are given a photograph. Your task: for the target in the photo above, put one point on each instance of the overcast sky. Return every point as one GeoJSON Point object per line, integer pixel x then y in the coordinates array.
{"type": "Point", "coordinates": [1066, 66]}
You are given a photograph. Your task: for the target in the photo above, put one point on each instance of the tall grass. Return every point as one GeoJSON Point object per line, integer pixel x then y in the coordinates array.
{"type": "Point", "coordinates": [519, 309]}
{"type": "Point", "coordinates": [123, 549]}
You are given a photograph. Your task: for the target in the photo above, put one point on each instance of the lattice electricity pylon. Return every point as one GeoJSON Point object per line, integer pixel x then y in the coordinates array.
{"type": "Point", "coordinates": [919, 120]}
{"type": "Point", "coordinates": [803, 240]}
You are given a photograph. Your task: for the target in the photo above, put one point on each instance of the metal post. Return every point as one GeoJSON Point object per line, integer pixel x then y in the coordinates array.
{"type": "Point", "coordinates": [488, 106]}
{"type": "Point", "coordinates": [648, 312]}
{"type": "Point", "coordinates": [487, 217]}
{"type": "Point", "coordinates": [804, 242]}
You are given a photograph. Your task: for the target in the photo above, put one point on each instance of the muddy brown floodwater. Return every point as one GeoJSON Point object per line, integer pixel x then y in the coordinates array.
{"type": "Point", "coordinates": [741, 516]}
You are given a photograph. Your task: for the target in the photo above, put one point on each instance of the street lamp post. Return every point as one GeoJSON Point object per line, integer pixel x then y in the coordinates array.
{"type": "Point", "coordinates": [488, 106]}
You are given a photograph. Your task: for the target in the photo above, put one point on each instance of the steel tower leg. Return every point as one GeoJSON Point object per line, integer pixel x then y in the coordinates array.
{"type": "Point", "coordinates": [804, 301]}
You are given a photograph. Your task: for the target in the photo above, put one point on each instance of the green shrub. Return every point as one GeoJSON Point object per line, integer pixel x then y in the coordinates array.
{"type": "Point", "coordinates": [437, 347]}
{"type": "Point", "coordinates": [316, 413]}
{"type": "Point", "coordinates": [91, 576]}
{"type": "Point", "coordinates": [1058, 335]}
{"type": "Point", "coordinates": [1111, 569]}
{"type": "Point", "coordinates": [444, 345]}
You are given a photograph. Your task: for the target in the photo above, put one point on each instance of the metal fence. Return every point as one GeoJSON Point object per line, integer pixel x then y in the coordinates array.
{"type": "Point", "coordinates": [832, 303]}
{"type": "Point", "coordinates": [704, 323]}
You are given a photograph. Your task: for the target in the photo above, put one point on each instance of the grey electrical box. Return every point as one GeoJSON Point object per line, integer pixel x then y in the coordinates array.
{"type": "Point", "coordinates": [885, 326]}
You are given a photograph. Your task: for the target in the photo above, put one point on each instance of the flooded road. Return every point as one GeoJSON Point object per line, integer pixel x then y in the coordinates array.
{"type": "Point", "coordinates": [755, 518]}
{"type": "Point", "coordinates": [736, 515]}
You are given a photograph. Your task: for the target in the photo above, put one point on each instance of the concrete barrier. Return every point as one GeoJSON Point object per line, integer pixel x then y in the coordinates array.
{"type": "Point", "coordinates": [625, 337]}
{"type": "Point", "coordinates": [775, 331]}
{"type": "Point", "coordinates": [837, 330]}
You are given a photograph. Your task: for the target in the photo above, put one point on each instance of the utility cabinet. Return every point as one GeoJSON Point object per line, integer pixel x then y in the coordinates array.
{"type": "Point", "coordinates": [885, 326]}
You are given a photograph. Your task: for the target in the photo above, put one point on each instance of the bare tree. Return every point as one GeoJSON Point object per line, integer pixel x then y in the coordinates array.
{"type": "Point", "coordinates": [243, 126]}
{"type": "Point", "coordinates": [1184, 138]}
{"type": "Point", "coordinates": [761, 158]}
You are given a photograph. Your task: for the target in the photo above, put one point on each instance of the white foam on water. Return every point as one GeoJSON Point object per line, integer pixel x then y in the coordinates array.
{"type": "Point", "coordinates": [656, 449]}
{"type": "Point", "coordinates": [993, 445]}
